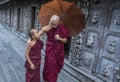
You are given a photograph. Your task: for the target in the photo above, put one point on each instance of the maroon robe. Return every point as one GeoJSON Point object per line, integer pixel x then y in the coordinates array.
{"type": "Point", "coordinates": [35, 56]}
{"type": "Point", "coordinates": [54, 58]}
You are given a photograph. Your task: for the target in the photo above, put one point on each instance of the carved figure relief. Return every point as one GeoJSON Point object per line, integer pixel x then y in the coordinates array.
{"type": "Point", "coordinates": [95, 18]}
{"type": "Point", "coordinates": [112, 47]}
{"type": "Point", "coordinates": [106, 70]}
{"type": "Point", "coordinates": [117, 19]}
{"type": "Point", "coordinates": [90, 40]}
{"type": "Point", "coordinates": [117, 72]}
{"type": "Point", "coordinates": [84, 5]}
{"type": "Point", "coordinates": [76, 49]}
{"type": "Point", "coordinates": [88, 59]}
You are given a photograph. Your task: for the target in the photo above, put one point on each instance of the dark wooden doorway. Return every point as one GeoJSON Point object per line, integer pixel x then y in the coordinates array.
{"type": "Point", "coordinates": [18, 18]}
{"type": "Point", "coordinates": [10, 18]}
{"type": "Point", "coordinates": [67, 47]}
{"type": "Point", "coordinates": [33, 12]}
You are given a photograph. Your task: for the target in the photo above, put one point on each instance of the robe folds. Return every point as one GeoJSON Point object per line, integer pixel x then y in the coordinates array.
{"type": "Point", "coordinates": [54, 58]}
{"type": "Point", "coordinates": [35, 56]}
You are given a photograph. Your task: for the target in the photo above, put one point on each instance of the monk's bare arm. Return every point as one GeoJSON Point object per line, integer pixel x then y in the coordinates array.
{"type": "Point", "coordinates": [41, 32]}
{"type": "Point", "coordinates": [27, 54]}
{"type": "Point", "coordinates": [63, 40]}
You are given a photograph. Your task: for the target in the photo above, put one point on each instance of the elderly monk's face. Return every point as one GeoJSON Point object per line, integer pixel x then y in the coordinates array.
{"type": "Point", "coordinates": [54, 24]}
{"type": "Point", "coordinates": [54, 21]}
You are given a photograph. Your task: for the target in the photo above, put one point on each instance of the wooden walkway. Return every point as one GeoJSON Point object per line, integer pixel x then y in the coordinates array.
{"type": "Point", "coordinates": [12, 59]}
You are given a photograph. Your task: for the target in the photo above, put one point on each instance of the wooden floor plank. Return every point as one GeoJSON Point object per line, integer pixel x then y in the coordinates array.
{"type": "Point", "coordinates": [11, 63]}
{"type": "Point", "coordinates": [12, 58]}
{"type": "Point", "coordinates": [2, 78]}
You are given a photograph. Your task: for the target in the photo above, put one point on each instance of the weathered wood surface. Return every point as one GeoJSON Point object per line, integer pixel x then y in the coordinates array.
{"type": "Point", "coordinates": [12, 58]}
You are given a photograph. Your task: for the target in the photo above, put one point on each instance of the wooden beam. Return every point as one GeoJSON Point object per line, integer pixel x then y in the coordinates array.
{"type": "Point", "coordinates": [2, 2]}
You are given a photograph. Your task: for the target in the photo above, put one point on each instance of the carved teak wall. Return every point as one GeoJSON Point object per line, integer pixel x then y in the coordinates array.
{"type": "Point", "coordinates": [97, 49]}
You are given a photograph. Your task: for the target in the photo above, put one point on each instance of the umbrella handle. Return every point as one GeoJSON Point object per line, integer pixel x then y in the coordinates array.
{"type": "Point", "coordinates": [62, 16]}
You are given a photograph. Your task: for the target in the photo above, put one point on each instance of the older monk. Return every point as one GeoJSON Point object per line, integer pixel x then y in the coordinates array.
{"type": "Point", "coordinates": [57, 35]}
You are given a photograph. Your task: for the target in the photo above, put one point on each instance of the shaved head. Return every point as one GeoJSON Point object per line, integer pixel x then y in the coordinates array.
{"type": "Point", "coordinates": [54, 19]}
{"type": "Point", "coordinates": [31, 32]}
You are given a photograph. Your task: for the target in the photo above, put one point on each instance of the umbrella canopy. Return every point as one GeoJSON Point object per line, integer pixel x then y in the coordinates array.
{"type": "Point", "coordinates": [70, 15]}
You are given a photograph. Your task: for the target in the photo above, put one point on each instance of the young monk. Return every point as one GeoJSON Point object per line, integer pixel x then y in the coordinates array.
{"type": "Point", "coordinates": [57, 35]}
{"type": "Point", "coordinates": [33, 57]}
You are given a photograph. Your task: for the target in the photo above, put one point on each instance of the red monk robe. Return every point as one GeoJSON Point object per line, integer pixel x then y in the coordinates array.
{"type": "Point", "coordinates": [35, 56]}
{"type": "Point", "coordinates": [54, 58]}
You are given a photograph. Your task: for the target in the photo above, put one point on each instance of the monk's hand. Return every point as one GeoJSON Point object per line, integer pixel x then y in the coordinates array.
{"type": "Point", "coordinates": [41, 62]}
{"type": "Point", "coordinates": [57, 37]}
{"type": "Point", "coordinates": [32, 66]}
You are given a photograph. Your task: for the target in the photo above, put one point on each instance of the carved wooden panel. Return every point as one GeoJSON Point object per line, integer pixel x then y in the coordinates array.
{"type": "Point", "coordinates": [100, 52]}
{"type": "Point", "coordinates": [107, 68]}
{"type": "Point", "coordinates": [115, 20]}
